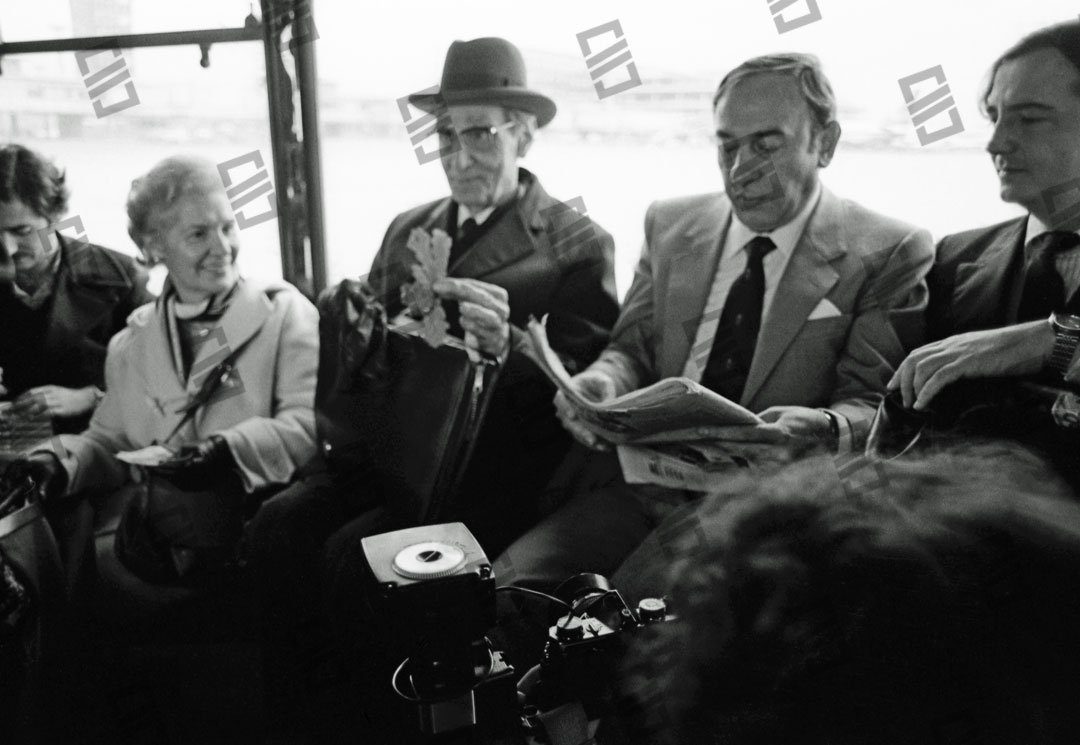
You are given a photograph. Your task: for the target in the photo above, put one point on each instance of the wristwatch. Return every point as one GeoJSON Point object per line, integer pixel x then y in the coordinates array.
{"type": "Point", "coordinates": [834, 429]}
{"type": "Point", "coordinates": [1066, 339]}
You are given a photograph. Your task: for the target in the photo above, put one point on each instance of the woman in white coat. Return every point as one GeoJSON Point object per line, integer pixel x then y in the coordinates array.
{"type": "Point", "coordinates": [259, 427]}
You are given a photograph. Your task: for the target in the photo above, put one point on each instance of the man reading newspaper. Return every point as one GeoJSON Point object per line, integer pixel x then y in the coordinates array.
{"type": "Point", "coordinates": [794, 303]}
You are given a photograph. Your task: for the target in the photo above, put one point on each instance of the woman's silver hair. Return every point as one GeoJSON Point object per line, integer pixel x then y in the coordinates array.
{"type": "Point", "coordinates": [804, 68]}
{"type": "Point", "coordinates": [153, 194]}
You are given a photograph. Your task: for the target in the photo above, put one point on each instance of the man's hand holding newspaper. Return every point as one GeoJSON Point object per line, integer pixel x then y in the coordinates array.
{"type": "Point", "coordinates": [674, 432]}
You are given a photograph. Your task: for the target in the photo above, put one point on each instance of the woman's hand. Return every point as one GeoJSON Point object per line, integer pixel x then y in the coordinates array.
{"type": "Point", "coordinates": [55, 401]}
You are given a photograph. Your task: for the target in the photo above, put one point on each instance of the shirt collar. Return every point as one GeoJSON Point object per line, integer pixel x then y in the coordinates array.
{"type": "Point", "coordinates": [464, 213]}
{"type": "Point", "coordinates": [1035, 228]}
{"type": "Point", "coordinates": [786, 237]}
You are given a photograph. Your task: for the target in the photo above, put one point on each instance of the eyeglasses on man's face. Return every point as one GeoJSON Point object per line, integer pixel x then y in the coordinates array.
{"type": "Point", "coordinates": [474, 139]}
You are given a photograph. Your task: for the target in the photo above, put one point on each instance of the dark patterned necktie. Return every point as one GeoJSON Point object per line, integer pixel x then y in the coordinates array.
{"type": "Point", "coordinates": [736, 335]}
{"type": "Point", "coordinates": [1044, 289]}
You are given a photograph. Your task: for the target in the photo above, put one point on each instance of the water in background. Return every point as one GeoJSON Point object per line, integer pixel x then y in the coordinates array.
{"type": "Point", "coordinates": [369, 180]}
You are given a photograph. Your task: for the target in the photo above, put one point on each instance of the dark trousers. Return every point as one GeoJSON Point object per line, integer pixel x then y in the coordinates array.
{"type": "Point", "coordinates": [607, 527]}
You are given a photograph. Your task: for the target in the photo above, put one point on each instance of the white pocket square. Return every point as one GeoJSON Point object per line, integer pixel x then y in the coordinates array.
{"type": "Point", "coordinates": [824, 309]}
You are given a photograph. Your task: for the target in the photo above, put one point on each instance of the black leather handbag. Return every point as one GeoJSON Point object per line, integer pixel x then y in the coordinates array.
{"type": "Point", "coordinates": [395, 415]}
{"type": "Point", "coordinates": [178, 533]}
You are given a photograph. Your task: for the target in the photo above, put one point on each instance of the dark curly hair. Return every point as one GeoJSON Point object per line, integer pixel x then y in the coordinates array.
{"type": "Point", "coordinates": [33, 180]}
{"type": "Point", "coordinates": [939, 604]}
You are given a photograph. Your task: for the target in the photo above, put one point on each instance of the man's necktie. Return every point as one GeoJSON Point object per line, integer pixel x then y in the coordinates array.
{"type": "Point", "coordinates": [466, 230]}
{"type": "Point", "coordinates": [465, 237]}
{"type": "Point", "coordinates": [736, 335]}
{"type": "Point", "coordinates": [1044, 289]}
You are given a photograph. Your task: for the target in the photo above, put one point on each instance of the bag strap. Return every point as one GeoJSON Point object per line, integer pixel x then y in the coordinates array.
{"type": "Point", "coordinates": [210, 385]}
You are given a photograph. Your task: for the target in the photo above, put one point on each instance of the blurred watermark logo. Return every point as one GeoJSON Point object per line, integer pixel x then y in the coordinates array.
{"type": "Point", "coordinates": [421, 125]}
{"type": "Point", "coordinates": [569, 228]}
{"type": "Point", "coordinates": [101, 87]}
{"type": "Point", "coordinates": [1062, 202]}
{"type": "Point", "coordinates": [216, 360]}
{"type": "Point", "coordinates": [937, 101]}
{"type": "Point", "coordinates": [783, 25]}
{"type": "Point", "coordinates": [248, 190]}
{"type": "Point", "coordinates": [743, 173]}
{"type": "Point", "coordinates": [603, 62]}
{"type": "Point", "coordinates": [861, 475]}
{"type": "Point", "coordinates": [301, 26]}
{"type": "Point", "coordinates": [75, 221]}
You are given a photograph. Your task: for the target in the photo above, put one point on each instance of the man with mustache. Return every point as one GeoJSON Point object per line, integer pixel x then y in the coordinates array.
{"type": "Point", "coordinates": [776, 294]}
{"type": "Point", "coordinates": [1003, 300]}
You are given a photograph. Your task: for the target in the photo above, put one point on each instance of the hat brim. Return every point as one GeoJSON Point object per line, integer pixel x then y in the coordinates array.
{"type": "Point", "coordinates": [515, 98]}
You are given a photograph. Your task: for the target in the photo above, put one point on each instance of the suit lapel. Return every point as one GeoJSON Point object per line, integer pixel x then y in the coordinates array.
{"type": "Point", "coordinates": [248, 310]}
{"type": "Point", "coordinates": [693, 269]}
{"type": "Point", "coordinates": [807, 279]}
{"type": "Point", "coordinates": [162, 378]}
{"type": "Point", "coordinates": [510, 239]}
{"type": "Point", "coordinates": [987, 278]}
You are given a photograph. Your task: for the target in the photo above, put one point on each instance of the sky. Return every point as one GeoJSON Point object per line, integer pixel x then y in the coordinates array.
{"type": "Point", "coordinates": [384, 48]}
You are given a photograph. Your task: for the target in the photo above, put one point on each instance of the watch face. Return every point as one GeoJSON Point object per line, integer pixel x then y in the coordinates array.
{"type": "Point", "coordinates": [1067, 322]}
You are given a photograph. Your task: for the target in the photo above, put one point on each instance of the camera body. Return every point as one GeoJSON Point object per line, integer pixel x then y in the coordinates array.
{"type": "Point", "coordinates": [435, 586]}
{"type": "Point", "coordinates": [586, 644]}
{"type": "Point", "coordinates": [435, 589]}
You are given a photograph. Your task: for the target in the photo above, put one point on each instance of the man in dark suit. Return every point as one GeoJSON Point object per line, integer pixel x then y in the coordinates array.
{"type": "Point", "coordinates": [510, 260]}
{"type": "Point", "coordinates": [1003, 300]}
{"type": "Point", "coordinates": [517, 252]}
{"type": "Point", "coordinates": [776, 294]}
{"type": "Point", "coordinates": [61, 300]}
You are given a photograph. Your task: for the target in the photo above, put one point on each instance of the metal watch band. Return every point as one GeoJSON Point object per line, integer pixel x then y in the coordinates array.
{"type": "Point", "coordinates": [1065, 343]}
{"type": "Point", "coordinates": [1066, 340]}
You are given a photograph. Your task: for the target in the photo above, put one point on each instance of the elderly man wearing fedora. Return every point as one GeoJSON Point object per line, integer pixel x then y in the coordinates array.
{"type": "Point", "coordinates": [517, 252]}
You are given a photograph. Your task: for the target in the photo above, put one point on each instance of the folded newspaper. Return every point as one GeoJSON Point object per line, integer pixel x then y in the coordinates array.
{"type": "Point", "coordinates": [18, 433]}
{"type": "Point", "coordinates": [698, 466]}
{"type": "Point", "coordinates": [647, 413]}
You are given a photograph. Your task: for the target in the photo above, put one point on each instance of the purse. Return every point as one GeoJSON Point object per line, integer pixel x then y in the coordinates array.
{"type": "Point", "coordinates": [394, 414]}
{"type": "Point", "coordinates": [172, 533]}
{"type": "Point", "coordinates": [33, 590]}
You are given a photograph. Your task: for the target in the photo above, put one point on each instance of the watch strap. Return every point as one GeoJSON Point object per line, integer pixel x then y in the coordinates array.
{"type": "Point", "coordinates": [1066, 341]}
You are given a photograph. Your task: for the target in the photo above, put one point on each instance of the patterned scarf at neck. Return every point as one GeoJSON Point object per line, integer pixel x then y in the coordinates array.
{"type": "Point", "coordinates": [211, 308]}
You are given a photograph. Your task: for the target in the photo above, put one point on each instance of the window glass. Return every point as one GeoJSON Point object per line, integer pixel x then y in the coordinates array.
{"type": "Point", "coordinates": [617, 152]}
{"type": "Point", "coordinates": [106, 130]}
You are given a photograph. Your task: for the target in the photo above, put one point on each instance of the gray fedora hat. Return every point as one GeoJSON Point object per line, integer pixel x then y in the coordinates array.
{"type": "Point", "coordinates": [485, 71]}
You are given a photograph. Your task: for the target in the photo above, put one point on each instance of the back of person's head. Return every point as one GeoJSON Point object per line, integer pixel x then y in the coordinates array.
{"type": "Point", "coordinates": [33, 180]}
{"type": "Point", "coordinates": [1063, 37]}
{"type": "Point", "coordinates": [939, 604]}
